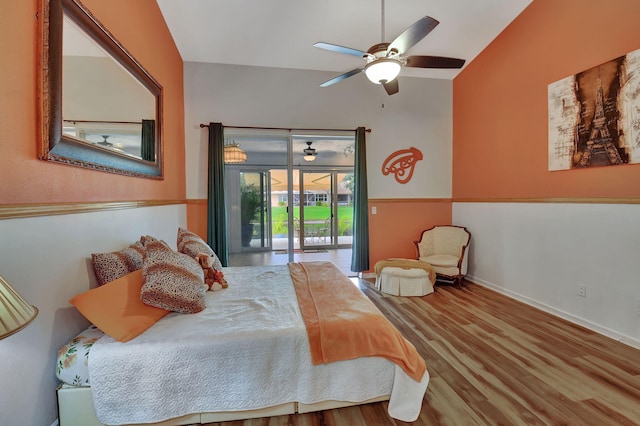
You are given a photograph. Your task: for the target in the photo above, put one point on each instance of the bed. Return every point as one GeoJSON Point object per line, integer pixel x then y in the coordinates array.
{"type": "Point", "coordinates": [247, 355]}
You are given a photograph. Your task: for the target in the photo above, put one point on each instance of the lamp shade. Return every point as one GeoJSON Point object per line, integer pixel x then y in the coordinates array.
{"type": "Point", "coordinates": [15, 312]}
{"type": "Point", "coordinates": [233, 154]}
{"type": "Point", "coordinates": [382, 70]}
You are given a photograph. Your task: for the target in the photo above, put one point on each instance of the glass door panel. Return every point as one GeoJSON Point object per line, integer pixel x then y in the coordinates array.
{"type": "Point", "coordinates": [343, 216]}
{"type": "Point", "coordinates": [255, 210]}
{"type": "Point", "coordinates": [261, 238]}
{"type": "Point", "coordinates": [316, 209]}
{"type": "Point", "coordinates": [279, 202]}
{"type": "Point", "coordinates": [326, 200]}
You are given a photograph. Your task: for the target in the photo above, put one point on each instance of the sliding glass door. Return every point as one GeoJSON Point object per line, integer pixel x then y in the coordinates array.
{"type": "Point", "coordinates": [283, 202]}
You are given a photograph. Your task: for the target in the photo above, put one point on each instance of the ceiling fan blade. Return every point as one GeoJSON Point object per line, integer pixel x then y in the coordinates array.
{"type": "Point", "coordinates": [391, 87]}
{"type": "Point", "coordinates": [340, 49]}
{"type": "Point", "coordinates": [341, 77]}
{"type": "Point", "coordinates": [434, 62]}
{"type": "Point", "coordinates": [413, 34]}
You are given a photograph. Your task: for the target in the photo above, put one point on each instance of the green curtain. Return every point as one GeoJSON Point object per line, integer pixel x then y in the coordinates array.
{"type": "Point", "coordinates": [148, 149]}
{"type": "Point", "coordinates": [360, 249]}
{"type": "Point", "coordinates": [216, 217]}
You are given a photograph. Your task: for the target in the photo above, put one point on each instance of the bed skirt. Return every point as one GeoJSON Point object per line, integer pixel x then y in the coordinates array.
{"type": "Point", "coordinates": [75, 408]}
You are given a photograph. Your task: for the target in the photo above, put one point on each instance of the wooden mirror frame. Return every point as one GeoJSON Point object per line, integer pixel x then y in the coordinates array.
{"type": "Point", "coordinates": [54, 144]}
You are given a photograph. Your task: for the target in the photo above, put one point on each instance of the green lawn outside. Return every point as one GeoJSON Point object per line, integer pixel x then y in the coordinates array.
{"type": "Point", "coordinates": [316, 213]}
{"type": "Point", "coordinates": [311, 212]}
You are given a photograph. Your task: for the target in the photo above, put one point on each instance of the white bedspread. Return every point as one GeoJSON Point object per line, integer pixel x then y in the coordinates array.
{"type": "Point", "coordinates": [247, 350]}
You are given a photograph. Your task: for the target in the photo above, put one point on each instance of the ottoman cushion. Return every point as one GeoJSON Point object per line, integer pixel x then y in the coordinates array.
{"type": "Point", "coordinates": [404, 281]}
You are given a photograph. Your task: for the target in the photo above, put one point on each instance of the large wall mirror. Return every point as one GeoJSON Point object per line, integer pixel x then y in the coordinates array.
{"type": "Point", "coordinates": [100, 108]}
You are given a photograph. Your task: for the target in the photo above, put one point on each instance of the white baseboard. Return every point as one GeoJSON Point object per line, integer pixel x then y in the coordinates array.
{"type": "Point", "coordinates": [629, 341]}
{"type": "Point", "coordinates": [55, 423]}
{"type": "Point", "coordinates": [365, 275]}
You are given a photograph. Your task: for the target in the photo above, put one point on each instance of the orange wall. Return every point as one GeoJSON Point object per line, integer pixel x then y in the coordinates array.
{"type": "Point", "coordinates": [500, 101]}
{"type": "Point", "coordinates": [397, 224]}
{"type": "Point", "coordinates": [197, 217]}
{"type": "Point", "coordinates": [139, 26]}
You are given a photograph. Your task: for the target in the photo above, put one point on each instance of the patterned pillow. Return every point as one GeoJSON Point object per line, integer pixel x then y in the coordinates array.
{"type": "Point", "coordinates": [111, 266]}
{"type": "Point", "coordinates": [73, 358]}
{"type": "Point", "coordinates": [192, 245]}
{"type": "Point", "coordinates": [171, 280]}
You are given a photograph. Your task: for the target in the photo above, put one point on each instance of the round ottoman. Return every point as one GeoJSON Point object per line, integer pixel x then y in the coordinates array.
{"type": "Point", "coordinates": [404, 282]}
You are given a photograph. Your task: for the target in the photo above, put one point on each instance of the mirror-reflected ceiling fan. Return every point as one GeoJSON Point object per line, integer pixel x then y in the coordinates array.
{"type": "Point", "coordinates": [385, 60]}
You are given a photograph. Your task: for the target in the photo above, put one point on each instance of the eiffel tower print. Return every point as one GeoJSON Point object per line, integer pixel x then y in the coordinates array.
{"type": "Point", "coordinates": [600, 149]}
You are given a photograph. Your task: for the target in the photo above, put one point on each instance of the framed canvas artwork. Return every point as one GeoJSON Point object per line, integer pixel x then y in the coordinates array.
{"type": "Point", "coordinates": [594, 116]}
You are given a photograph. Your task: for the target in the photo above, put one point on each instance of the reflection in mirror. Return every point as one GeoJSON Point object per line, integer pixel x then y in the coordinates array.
{"type": "Point", "coordinates": [110, 114]}
{"type": "Point", "coordinates": [100, 108]}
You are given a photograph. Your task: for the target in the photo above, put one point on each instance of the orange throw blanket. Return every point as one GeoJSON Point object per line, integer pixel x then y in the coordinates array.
{"type": "Point", "coordinates": [342, 323]}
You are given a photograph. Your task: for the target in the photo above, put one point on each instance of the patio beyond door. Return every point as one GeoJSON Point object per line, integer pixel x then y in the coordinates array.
{"type": "Point", "coordinates": [325, 220]}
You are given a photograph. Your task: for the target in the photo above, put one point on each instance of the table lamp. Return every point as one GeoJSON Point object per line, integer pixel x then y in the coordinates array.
{"type": "Point", "coordinates": [15, 312]}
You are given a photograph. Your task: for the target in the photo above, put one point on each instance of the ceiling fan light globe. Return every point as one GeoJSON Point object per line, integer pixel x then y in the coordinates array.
{"type": "Point", "coordinates": [382, 70]}
{"type": "Point", "coordinates": [309, 153]}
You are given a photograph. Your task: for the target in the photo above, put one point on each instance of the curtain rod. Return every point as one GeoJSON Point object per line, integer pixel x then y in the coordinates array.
{"type": "Point", "coordinates": [284, 128]}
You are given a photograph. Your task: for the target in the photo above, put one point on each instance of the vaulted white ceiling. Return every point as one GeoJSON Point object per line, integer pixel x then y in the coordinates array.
{"type": "Point", "coordinates": [281, 33]}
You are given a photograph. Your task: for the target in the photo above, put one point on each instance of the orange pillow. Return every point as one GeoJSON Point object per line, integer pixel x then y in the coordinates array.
{"type": "Point", "coordinates": [116, 308]}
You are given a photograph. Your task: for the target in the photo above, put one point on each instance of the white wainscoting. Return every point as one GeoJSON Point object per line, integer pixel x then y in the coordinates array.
{"type": "Point", "coordinates": [47, 260]}
{"type": "Point", "coordinates": [540, 253]}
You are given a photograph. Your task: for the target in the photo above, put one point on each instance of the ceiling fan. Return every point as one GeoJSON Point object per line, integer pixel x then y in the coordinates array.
{"type": "Point", "coordinates": [385, 60]}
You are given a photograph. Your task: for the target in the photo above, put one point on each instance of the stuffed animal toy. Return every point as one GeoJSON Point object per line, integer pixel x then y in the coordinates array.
{"type": "Point", "coordinates": [213, 278]}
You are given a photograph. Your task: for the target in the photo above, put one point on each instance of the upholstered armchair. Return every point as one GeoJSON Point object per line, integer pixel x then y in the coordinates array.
{"type": "Point", "coordinates": [444, 248]}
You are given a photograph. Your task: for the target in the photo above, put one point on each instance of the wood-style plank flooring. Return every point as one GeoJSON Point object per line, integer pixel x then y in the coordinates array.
{"type": "Point", "coordinates": [495, 361]}
{"type": "Point", "coordinates": [339, 257]}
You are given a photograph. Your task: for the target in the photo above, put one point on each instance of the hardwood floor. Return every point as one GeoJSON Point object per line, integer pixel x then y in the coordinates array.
{"type": "Point", "coordinates": [340, 257]}
{"type": "Point", "coordinates": [495, 361]}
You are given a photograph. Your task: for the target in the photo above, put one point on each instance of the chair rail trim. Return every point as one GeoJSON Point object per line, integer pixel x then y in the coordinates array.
{"type": "Point", "coordinates": [16, 211]}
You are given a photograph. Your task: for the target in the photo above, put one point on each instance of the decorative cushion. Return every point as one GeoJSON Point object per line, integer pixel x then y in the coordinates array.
{"type": "Point", "coordinates": [72, 366]}
{"type": "Point", "coordinates": [111, 266]}
{"type": "Point", "coordinates": [443, 264]}
{"type": "Point", "coordinates": [172, 280]}
{"type": "Point", "coordinates": [441, 260]}
{"type": "Point", "coordinates": [191, 244]}
{"type": "Point", "coordinates": [116, 308]}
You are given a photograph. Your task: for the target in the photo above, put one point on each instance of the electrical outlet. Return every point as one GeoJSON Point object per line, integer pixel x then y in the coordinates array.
{"type": "Point", "coordinates": [582, 290]}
